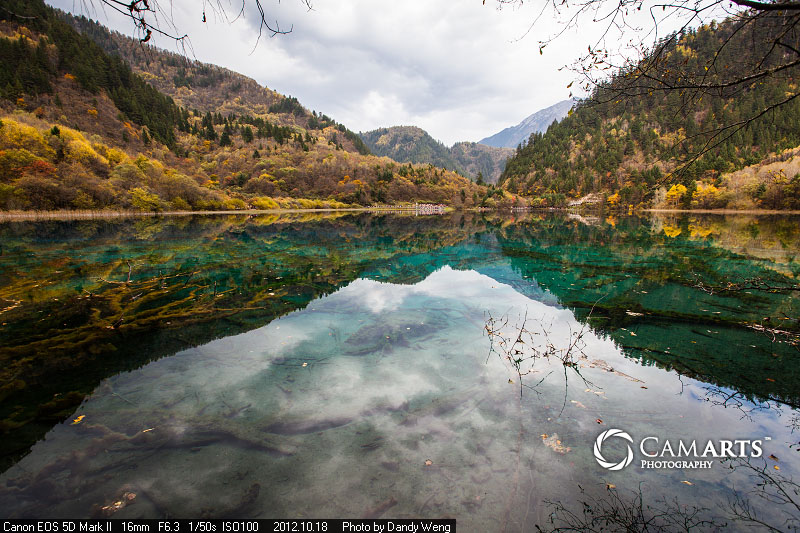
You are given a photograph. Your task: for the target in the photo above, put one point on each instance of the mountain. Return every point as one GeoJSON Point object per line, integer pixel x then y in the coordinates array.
{"type": "Point", "coordinates": [410, 144]}
{"type": "Point", "coordinates": [207, 88]}
{"type": "Point", "coordinates": [665, 148]}
{"type": "Point", "coordinates": [536, 123]}
{"type": "Point", "coordinates": [476, 158]}
{"type": "Point", "coordinates": [92, 119]}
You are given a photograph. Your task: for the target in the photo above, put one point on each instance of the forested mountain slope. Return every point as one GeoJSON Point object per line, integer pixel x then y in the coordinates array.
{"type": "Point", "coordinates": [662, 148]}
{"type": "Point", "coordinates": [410, 144]}
{"type": "Point", "coordinates": [480, 160]}
{"type": "Point", "coordinates": [80, 129]}
{"type": "Point", "coordinates": [209, 88]}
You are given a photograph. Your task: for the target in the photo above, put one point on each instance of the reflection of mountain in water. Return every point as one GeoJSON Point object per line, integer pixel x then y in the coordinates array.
{"type": "Point", "coordinates": [296, 417]}
{"type": "Point", "coordinates": [640, 288]}
{"type": "Point", "coordinates": [193, 280]}
{"type": "Point", "coordinates": [92, 298]}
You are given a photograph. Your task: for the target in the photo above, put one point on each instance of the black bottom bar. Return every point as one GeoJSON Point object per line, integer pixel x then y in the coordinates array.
{"type": "Point", "coordinates": [360, 525]}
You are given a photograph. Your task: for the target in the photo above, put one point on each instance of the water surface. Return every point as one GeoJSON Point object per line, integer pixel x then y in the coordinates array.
{"type": "Point", "coordinates": [341, 367]}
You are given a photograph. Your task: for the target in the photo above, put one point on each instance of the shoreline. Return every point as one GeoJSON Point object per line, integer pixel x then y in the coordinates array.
{"type": "Point", "coordinates": [727, 211]}
{"type": "Point", "coordinates": [12, 216]}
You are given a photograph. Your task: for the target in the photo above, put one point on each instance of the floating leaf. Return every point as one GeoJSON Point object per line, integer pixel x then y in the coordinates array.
{"type": "Point", "coordinates": [78, 420]}
{"type": "Point", "coordinates": [599, 420]}
{"type": "Point", "coordinates": [687, 482]}
{"type": "Point", "coordinates": [554, 444]}
{"type": "Point", "coordinates": [127, 499]}
{"type": "Point", "coordinates": [428, 462]}
{"type": "Point", "coordinates": [610, 486]}
{"type": "Point", "coordinates": [776, 467]}
{"type": "Point", "coordinates": [305, 365]}
{"type": "Point", "coordinates": [773, 457]}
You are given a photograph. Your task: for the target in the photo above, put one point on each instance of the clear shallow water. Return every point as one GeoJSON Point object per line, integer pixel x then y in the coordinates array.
{"type": "Point", "coordinates": [378, 395]}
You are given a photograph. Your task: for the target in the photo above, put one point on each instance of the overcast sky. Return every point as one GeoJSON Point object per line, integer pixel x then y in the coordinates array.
{"type": "Point", "coordinates": [457, 68]}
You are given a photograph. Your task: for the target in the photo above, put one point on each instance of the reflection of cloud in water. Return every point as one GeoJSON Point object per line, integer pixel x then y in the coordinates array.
{"type": "Point", "coordinates": [376, 296]}
{"type": "Point", "coordinates": [336, 408]}
{"type": "Point", "coordinates": [445, 283]}
{"type": "Point", "coordinates": [456, 302]}
{"type": "Point", "coordinates": [221, 365]}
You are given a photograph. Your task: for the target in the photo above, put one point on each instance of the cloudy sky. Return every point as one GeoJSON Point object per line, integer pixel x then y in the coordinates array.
{"type": "Point", "coordinates": [459, 69]}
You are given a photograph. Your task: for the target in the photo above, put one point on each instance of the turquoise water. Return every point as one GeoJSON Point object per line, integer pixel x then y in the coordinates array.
{"type": "Point", "coordinates": [342, 367]}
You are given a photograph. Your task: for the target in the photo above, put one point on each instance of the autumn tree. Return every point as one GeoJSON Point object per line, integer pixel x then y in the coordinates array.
{"type": "Point", "coordinates": [648, 44]}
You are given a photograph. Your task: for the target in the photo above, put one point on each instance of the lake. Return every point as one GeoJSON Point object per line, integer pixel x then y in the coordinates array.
{"type": "Point", "coordinates": [362, 365]}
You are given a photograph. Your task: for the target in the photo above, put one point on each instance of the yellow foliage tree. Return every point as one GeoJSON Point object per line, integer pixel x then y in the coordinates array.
{"type": "Point", "coordinates": [707, 196]}
{"type": "Point", "coordinates": [82, 151]}
{"type": "Point", "coordinates": [675, 193]}
{"type": "Point", "coordinates": [116, 156]}
{"type": "Point", "coordinates": [143, 200]}
{"type": "Point", "coordinates": [15, 134]}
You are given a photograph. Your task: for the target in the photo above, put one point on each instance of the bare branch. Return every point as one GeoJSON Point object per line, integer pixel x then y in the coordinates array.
{"type": "Point", "coordinates": [150, 17]}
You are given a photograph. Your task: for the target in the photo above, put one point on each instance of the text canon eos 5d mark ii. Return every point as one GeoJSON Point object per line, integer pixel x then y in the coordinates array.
{"type": "Point", "coordinates": [57, 526]}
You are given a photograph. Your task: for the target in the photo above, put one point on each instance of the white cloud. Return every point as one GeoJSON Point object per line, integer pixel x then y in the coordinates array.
{"type": "Point", "coordinates": [456, 69]}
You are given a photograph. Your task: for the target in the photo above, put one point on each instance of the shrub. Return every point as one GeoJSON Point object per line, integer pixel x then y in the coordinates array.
{"type": "Point", "coordinates": [263, 184]}
{"type": "Point", "coordinates": [13, 163]}
{"type": "Point", "coordinates": [83, 201]}
{"type": "Point", "coordinates": [144, 200]}
{"type": "Point", "coordinates": [46, 193]}
{"type": "Point", "coordinates": [12, 197]}
{"type": "Point", "coordinates": [127, 176]}
{"type": "Point", "coordinates": [234, 204]}
{"type": "Point", "coordinates": [264, 202]}
{"type": "Point", "coordinates": [14, 134]}
{"type": "Point", "coordinates": [209, 204]}
{"type": "Point", "coordinates": [179, 204]}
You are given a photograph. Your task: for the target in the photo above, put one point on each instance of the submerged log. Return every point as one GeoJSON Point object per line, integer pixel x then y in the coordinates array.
{"type": "Point", "coordinates": [302, 427]}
